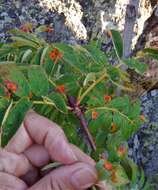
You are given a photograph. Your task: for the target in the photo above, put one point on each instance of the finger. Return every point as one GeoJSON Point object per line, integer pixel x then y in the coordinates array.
{"type": "Point", "coordinates": [20, 141]}
{"type": "Point", "coordinates": [14, 164]}
{"type": "Point", "coordinates": [9, 182]}
{"type": "Point", "coordinates": [43, 132]}
{"type": "Point", "coordinates": [31, 177]}
{"type": "Point", "coordinates": [37, 155]}
{"type": "Point", "coordinates": [103, 185]}
{"type": "Point", "coordinates": [75, 177]}
{"type": "Point", "coordinates": [81, 156]}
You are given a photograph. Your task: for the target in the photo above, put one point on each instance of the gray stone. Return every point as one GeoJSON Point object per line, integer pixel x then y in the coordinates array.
{"type": "Point", "coordinates": [144, 98]}
{"type": "Point", "coordinates": [5, 14]}
{"type": "Point", "coordinates": [154, 93]}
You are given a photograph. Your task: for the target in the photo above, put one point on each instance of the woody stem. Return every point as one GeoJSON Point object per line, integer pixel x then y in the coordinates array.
{"type": "Point", "coordinates": [80, 115]}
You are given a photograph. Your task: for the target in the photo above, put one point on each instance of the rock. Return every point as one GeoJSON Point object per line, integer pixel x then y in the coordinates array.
{"type": "Point", "coordinates": [72, 13]}
{"type": "Point", "coordinates": [154, 93]}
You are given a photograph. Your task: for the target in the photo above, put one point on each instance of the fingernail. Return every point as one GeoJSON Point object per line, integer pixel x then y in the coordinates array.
{"type": "Point", "coordinates": [30, 111]}
{"type": "Point", "coordinates": [83, 178]}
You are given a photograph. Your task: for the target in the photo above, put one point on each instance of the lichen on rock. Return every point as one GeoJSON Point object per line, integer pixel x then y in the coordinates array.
{"type": "Point", "coordinates": [72, 12]}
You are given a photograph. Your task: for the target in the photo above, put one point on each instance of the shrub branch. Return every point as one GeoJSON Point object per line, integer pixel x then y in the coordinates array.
{"type": "Point", "coordinates": [80, 115]}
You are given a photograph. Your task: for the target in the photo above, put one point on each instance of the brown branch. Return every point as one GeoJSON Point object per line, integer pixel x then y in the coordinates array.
{"type": "Point", "coordinates": [80, 115]}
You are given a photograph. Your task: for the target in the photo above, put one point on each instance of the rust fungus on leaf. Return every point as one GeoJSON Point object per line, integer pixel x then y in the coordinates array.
{"type": "Point", "coordinates": [60, 89]}
{"type": "Point", "coordinates": [114, 177]}
{"type": "Point", "coordinates": [108, 166]}
{"type": "Point", "coordinates": [30, 95]}
{"type": "Point", "coordinates": [7, 93]}
{"type": "Point", "coordinates": [55, 54]}
{"type": "Point", "coordinates": [49, 29]}
{"type": "Point", "coordinates": [26, 27]}
{"type": "Point", "coordinates": [142, 118]}
{"type": "Point", "coordinates": [113, 127]}
{"type": "Point", "coordinates": [107, 98]}
{"type": "Point", "coordinates": [10, 86]}
{"type": "Point", "coordinates": [95, 115]}
{"type": "Point", "coordinates": [121, 150]}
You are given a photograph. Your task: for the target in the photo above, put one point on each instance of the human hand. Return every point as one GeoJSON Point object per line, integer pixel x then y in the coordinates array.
{"type": "Point", "coordinates": [38, 142]}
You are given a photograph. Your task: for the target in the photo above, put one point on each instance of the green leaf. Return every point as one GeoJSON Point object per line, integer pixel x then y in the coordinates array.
{"type": "Point", "coordinates": [14, 120]}
{"type": "Point", "coordinates": [142, 178]}
{"type": "Point", "coordinates": [19, 42]}
{"type": "Point", "coordinates": [102, 173]}
{"type": "Point", "coordinates": [4, 103]}
{"type": "Point", "coordinates": [100, 164]}
{"type": "Point", "coordinates": [30, 37]}
{"type": "Point", "coordinates": [118, 42]}
{"type": "Point", "coordinates": [53, 165]}
{"type": "Point", "coordinates": [43, 55]}
{"type": "Point", "coordinates": [121, 103]}
{"type": "Point", "coordinates": [96, 56]}
{"type": "Point", "coordinates": [136, 65]}
{"type": "Point", "coordinates": [41, 28]}
{"type": "Point", "coordinates": [127, 129]}
{"type": "Point", "coordinates": [13, 74]}
{"type": "Point", "coordinates": [59, 101]}
{"type": "Point", "coordinates": [26, 56]}
{"type": "Point", "coordinates": [113, 73]}
{"type": "Point", "coordinates": [114, 140]}
{"type": "Point", "coordinates": [121, 177]}
{"type": "Point", "coordinates": [151, 52]}
{"type": "Point", "coordinates": [37, 57]}
{"type": "Point", "coordinates": [134, 172]}
{"type": "Point", "coordinates": [1, 44]}
{"type": "Point", "coordinates": [98, 125]}
{"type": "Point", "coordinates": [101, 138]}
{"type": "Point", "coordinates": [135, 110]}
{"type": "Point", "coordinates": [5, 50]}
{"type": "Point", "coordinates": [38, 81]}
{"type": "Point", "coordinates": [91, 77]}
{"type": "Point", "coordinates": [80, 58]}
{"type": "Point", "coordinates": [71, 83]}
{"type": "Point", "coordinates": [70, 58]}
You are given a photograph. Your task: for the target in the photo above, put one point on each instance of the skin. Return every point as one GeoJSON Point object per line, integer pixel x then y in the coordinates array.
{"type": "Point", "coordinates": [37, 143]}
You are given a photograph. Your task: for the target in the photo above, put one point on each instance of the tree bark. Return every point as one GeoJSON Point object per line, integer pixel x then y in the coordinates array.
{"type": "Point", "coordinates": [130, 20]}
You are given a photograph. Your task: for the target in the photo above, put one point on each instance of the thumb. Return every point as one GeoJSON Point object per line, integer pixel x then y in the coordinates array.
{"type": "Point", "coordinates": [10, 182]}
{"type": "Point", "coordinates": [78, 176]}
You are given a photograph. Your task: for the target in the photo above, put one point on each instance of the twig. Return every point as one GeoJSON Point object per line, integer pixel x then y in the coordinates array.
{"type": "Point", "coordinates": [78, 112]}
